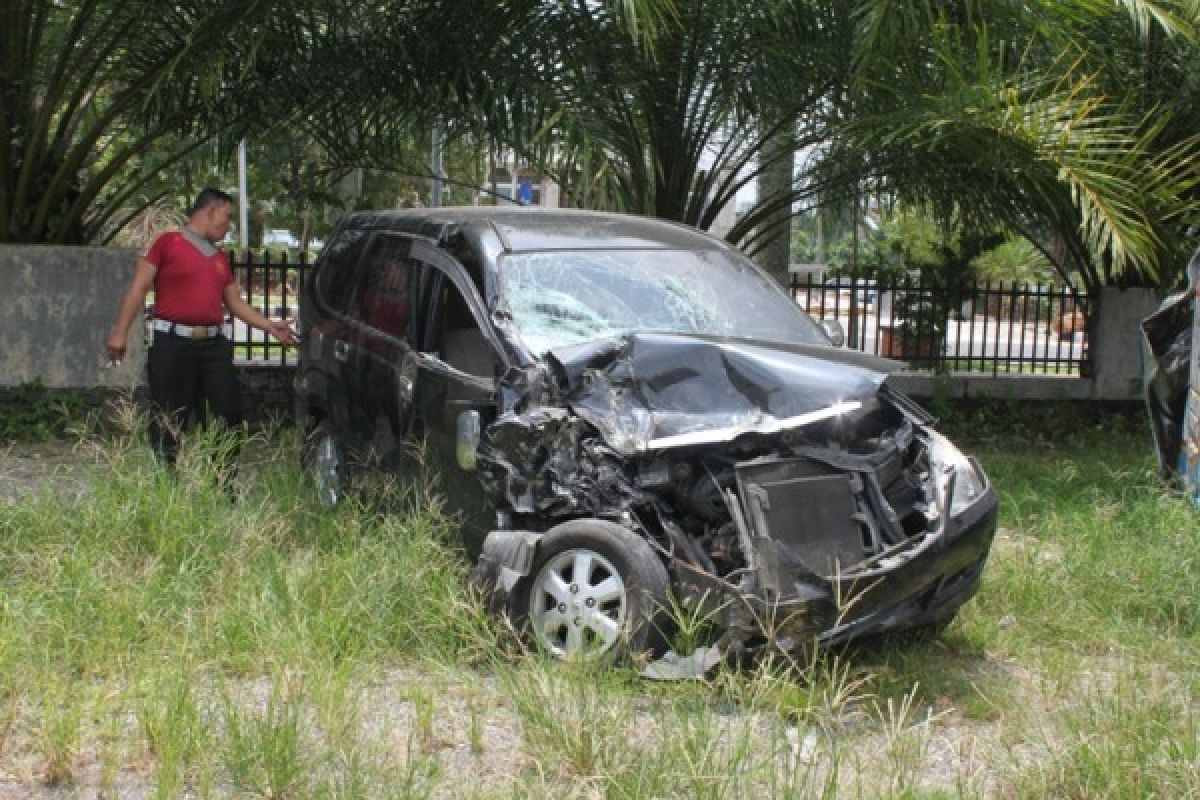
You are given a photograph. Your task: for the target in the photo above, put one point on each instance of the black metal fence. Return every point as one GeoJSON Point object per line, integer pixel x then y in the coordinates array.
{"type": "Point", "coordinates": [996, 328]}
{"type": "Point", "coordinates": [271, 284]}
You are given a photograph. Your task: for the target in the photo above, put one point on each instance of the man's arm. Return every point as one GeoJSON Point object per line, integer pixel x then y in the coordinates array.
{"type": "Point", "coordinates": [249, 315]}
{"type": "Point", "coordinates": [131, 304]}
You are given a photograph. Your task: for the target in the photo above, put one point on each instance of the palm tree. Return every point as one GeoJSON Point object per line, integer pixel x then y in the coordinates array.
{"type": "Point", "coordinates": [667, 110]}
{"type": "Point", "coordinates": [993, 114]}
{"type": "Point", "coordinates": [98, 100]}
{"type": "Point", "coordinates": [990, 113]}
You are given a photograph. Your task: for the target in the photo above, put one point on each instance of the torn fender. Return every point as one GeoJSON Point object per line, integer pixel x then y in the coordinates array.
{"type": "Point", "coordinates": [549, 462]}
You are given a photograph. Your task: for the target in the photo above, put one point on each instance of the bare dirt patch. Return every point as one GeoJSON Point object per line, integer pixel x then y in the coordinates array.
{"type": "Point", "coordinates": [29, 469]}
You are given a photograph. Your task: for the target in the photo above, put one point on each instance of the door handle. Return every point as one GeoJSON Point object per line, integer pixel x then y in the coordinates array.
{"type": "Point", "coordinates": [341, 351]}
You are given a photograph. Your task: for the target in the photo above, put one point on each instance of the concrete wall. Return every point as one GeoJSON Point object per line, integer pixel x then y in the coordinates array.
{"type": "Point", "coordinates": [1002, 387]}
{"type": "Point", "coordinates": [267, 393]}
{"type": "Point", "coordinates": [58, 306]}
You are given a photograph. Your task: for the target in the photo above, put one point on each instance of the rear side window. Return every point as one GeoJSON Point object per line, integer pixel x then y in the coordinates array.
{"type": "Point", "coordinates": [338, 271]}
{"type": "Point", "coordinates": [387, 289]}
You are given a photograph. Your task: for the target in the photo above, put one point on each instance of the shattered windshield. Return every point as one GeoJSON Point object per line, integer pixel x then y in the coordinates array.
{"type": "Point", "coordinates": [563, 298]}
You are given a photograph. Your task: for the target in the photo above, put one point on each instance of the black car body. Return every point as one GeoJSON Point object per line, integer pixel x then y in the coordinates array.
{"type": "Point", "coordinates": [1170, 376]}
{"type": "Point", "coordinates": [628, 414]}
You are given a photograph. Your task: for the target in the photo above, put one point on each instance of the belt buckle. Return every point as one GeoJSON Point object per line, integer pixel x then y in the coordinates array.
{"type": "Point", "coordinates": [199, 331]}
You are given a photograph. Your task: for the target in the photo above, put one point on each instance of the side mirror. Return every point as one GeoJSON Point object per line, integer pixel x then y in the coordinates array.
{"type": "Point", "coordinates": [834, 330]}
{"type": "Point", "coordinates": [467, 440]}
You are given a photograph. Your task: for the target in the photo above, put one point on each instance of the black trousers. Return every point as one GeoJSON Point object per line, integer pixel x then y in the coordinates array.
{"type": "Point", "coordinates": [189, 380]}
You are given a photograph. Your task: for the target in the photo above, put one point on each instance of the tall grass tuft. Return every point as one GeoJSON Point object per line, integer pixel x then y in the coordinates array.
{"type": "Point", "coordinates": [174, 729]}
{"type": "Point", "coordinates": [58, 729]}
{"type": "Point", "coordinates": [264, 748]}
{"type": "Point", "coordinates": [161, 565]}
{"type": "Point", "coordinates": [571, 722]}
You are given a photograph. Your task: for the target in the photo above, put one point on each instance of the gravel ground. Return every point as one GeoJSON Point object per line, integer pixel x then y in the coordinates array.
{"type": "Point", "coordinates": [931, 751]}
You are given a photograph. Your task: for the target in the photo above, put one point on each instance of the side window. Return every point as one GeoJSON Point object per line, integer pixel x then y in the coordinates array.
{"type": "Point", "coordinates": [456, 335]}
{"type": "Point", "coordinates": [338, 267]}
{"type": "Point", "coordinates": [386, 296]}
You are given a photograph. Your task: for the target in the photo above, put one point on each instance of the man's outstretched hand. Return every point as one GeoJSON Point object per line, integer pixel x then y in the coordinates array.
{"type": "Point", "coordinates": [283, 332]}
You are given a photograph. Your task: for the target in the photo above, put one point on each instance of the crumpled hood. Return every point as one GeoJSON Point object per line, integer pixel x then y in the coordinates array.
{"type": "Point", "coordinates": [654, 391]}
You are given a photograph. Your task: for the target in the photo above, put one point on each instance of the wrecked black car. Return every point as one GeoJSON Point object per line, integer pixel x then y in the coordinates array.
{"type": "Point", "coordinates": [635, 425]}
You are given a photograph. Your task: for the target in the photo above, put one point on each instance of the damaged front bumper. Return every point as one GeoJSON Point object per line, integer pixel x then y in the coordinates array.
{"type": "Point", "coordinates": [781, 602]}
{"type": "Point", "coordinates": [788, 602]}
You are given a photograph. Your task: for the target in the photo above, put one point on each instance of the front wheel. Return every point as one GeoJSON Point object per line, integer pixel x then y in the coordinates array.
{"type": "Point", "coordinates": [596, 590]}
{"type": "Point", "coordinates": [326, 464]}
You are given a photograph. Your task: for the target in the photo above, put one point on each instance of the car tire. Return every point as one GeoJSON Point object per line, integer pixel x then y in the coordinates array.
{"type": "Point", "coordinates": [325, 462]}
{"type": "Point", "coordinates": [596, 591]}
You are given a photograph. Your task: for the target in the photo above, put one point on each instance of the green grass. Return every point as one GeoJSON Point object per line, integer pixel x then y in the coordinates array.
{"type": "Point", "coordinates": [1102, 553]}
{"type": "Point", "coordinates": [160, 637]}
{"type": "Point", "coordinates": [32, 412]}
{"type": "Point", "coordinates": [1133, 740]}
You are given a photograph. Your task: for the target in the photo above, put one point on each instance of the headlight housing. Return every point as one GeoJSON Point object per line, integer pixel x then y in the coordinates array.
{"type": "Point", "coordinates": [947, 460]}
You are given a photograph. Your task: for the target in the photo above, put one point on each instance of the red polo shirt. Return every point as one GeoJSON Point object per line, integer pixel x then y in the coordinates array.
{"type": "Point", "coordinates": [189, 285]}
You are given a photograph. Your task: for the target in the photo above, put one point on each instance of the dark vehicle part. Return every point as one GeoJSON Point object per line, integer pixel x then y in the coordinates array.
{"type": "Point", "coordinates": [326, 464]}
{"type": "Point", "coordinates": [1168, 337]}
{"type": "Point", "coordinates": [1172, 384]}
{"type": "Point", "coordinates": [596, 589]}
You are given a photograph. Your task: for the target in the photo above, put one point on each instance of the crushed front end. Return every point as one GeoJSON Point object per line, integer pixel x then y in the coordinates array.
{"type": "Point", "coordinates": [792, 495]}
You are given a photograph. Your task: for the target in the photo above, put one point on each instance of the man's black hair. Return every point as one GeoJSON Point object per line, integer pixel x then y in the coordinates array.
{"type": "Point", "coordinates": [209, 197]}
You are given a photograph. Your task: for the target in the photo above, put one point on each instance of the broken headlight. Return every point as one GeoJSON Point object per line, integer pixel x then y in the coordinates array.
{"type": "Point", "coordinates": [946, 459]}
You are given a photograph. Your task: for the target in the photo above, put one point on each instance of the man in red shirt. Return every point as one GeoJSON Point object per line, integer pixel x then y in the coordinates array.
{"type": "Point", "coordinates": [190, 362]}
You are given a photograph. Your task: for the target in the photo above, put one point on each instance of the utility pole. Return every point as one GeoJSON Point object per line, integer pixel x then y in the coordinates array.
{"type": "Point", "coordinates": [243, 200]}
{"type": "Point", "coordinates": [852, 335]}
{"type": "Point", "coordinates": [435, 187]}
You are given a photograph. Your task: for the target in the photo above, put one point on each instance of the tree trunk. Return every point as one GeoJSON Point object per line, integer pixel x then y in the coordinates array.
{"type": "Point", "coordinates": [775, 183]}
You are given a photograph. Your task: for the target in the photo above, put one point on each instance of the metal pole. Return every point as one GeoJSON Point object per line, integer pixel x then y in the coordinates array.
{"type": "Point", "coordinates": [435, 188]}
{"type": "Point", "coordinates": [243, 200]}
{"type": "Point", "coordinates": [513, 182]}
{"type": "Point", "coordinates": [852, 333]}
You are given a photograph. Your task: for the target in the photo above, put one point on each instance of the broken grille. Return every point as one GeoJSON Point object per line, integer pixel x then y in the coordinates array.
{"type": "Point", "coordinates": [831, 519]}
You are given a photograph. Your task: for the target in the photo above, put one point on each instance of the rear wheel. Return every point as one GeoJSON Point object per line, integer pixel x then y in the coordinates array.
{"type": "Point", "coordinates": [326, 464]}
{"type": "Point", "coordinates": [596, 590]}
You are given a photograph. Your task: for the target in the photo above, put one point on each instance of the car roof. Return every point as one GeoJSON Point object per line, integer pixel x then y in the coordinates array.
{"type": "Point", "coordinates": [522, 229]}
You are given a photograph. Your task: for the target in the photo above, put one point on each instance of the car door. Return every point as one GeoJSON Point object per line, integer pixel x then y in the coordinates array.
{"type": "Point", "coordinates": [328, 329]}
{"type": "Point", "coordinates": [458, 358]}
